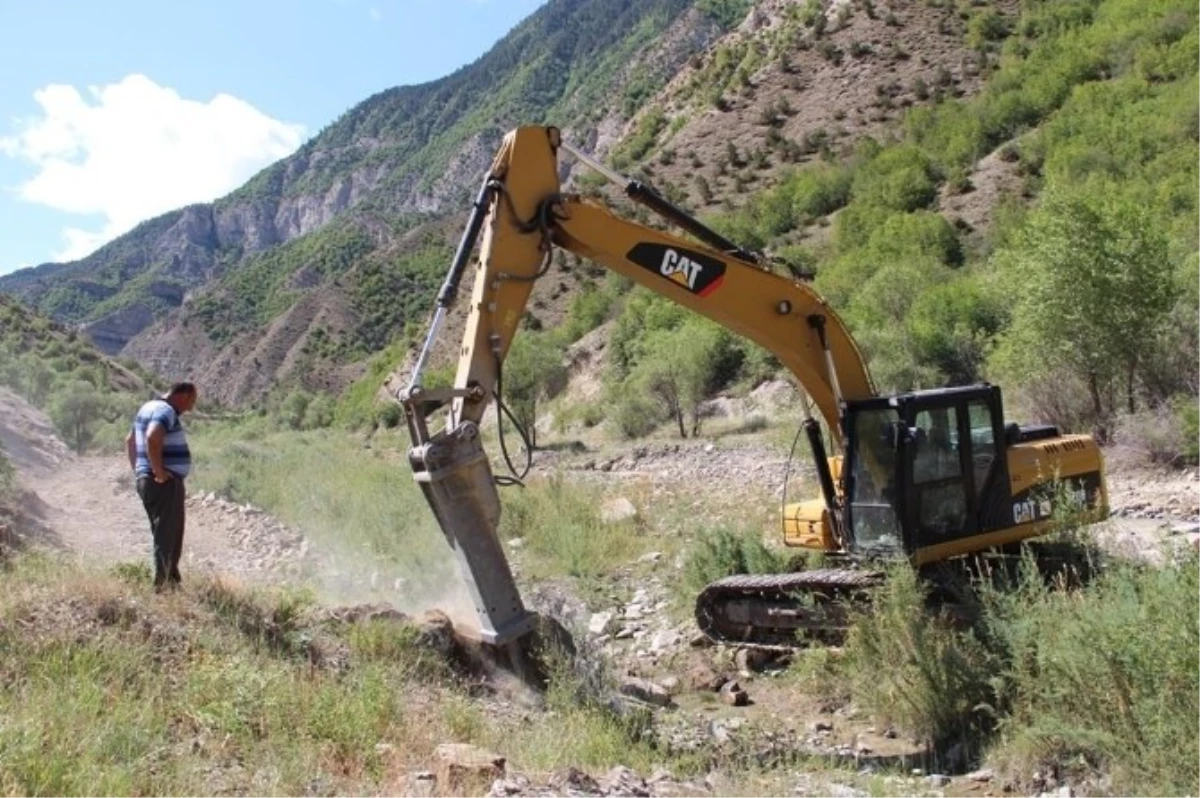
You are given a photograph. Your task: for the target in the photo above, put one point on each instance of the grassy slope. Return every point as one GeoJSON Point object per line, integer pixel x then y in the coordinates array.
{"type": "Point", "coordinates": [110, 690]}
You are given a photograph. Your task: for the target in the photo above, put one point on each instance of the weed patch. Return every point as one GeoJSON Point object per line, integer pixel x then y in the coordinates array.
{"type": "Point", "coordinates": [723, 552]}
{"type": "Point", "coordinates": [563, 530]}
{"type": "Point", "coordinates": [1097, 685]}
{"type": "Point", "coordinates": [916, 671]}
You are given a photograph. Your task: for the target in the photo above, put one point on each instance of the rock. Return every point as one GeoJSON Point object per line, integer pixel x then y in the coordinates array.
{"type": "Point", "coordinates": [670, 684]}
{"type": "Point", "coordinates": [821, 727]}
{"type": "Point", "coordinates": [984, 774]}
{"type": "Point", "coordinates": [464, 769]}
{"type": "Point", "coordinates": [1064, 791]}
{"type": "Point", "coordinates": [1185, 529]}
{"type": "Point", "coordinates": [616, 510]}
{"type": "Point", "coordinates": [731, 693]}
{"type": "Point", "coordinates": [573, 781]}
{"type": "Point", "coordinates": [663, 640]}
{"type": "Point", "coordinates": [599, 622]}
{"type": "Point", "coordinates": [421, 784]}
{"type": "Point", "coordinates": [502, 788]}
{"type": "Point", "coordinates": [645, 690]}
{"type": "Point", "coordinates": [633, 612]}
{"type": "Point", "coordinates": [843, 791]}
{"type": "Point", "coordinates": [623, 781]}
{"type": "Point", "coordinates": [650, 557]}
{"type": "Point", "coordinates": [516, 543]}
{"type": "Point", "coordinates": [722, 729]}
{"type": "Point", "coordinates": [937, 779]}
{"type": "Point", "coordinates": [703, 678]}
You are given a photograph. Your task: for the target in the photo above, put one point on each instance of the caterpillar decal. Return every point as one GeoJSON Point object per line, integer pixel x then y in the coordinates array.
{"type": "Point", "coordinates": [1079, 493]}
{"type": "Point", "coordinates": [693, 271]}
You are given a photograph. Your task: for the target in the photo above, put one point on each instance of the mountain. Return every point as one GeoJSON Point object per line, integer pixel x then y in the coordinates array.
{"type": "Point", "coordinates": [324, 257]}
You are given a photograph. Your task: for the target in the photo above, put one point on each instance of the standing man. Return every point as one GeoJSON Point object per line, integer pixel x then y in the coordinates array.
{"type": "Point", "coordinates": [158, 454]}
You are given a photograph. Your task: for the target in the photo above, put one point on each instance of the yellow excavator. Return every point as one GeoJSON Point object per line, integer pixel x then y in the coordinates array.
{"type": "Point", "coordinates": [929, 475]}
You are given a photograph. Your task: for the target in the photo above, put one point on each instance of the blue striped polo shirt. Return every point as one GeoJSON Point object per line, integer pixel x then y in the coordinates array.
{"type": "Point", "coordinates": [176, 457]}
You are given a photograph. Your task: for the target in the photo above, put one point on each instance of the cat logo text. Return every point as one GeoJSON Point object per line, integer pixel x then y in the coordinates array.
{"type": "Point", "coordinates": [696, 272]}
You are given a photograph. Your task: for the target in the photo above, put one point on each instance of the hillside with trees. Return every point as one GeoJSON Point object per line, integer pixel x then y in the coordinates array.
{"type": "Point", "coordinates": [927, 161]}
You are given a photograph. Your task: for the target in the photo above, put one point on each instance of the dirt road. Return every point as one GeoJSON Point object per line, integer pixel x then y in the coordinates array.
{"type": "Point", "coordinates": [88, 506]}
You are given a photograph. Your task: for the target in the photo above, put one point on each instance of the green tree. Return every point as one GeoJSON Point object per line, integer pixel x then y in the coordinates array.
{"type": "Point", "coordinates": [39, 379]}
{"type": "Point", "coordinates": [77, 411]}
{"type": "Point", "coordinates": [319, 413]}
{"type": "Point", "coordinates": [293, 408]}
{"type": "Point", "coordinates": [901, 178]}
{"type": "Point", "coordinates": [680, 367]}
{"type": "Point", "coordinates": [1091, 277]}
{"type": "Point", "coordinates": [952, 326]}
{"type": "Point", "coordinates": [533, 372]}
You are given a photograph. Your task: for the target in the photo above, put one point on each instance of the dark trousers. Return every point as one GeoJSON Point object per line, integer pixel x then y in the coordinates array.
{"type": "Point", "coordinates": [164, 503]}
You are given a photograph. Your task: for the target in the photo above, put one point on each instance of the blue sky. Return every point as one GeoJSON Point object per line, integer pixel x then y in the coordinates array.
{"type": "Point", "coordinates": [114, 112]}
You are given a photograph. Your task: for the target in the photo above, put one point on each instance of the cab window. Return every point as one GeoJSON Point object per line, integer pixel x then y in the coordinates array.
{"type": "Point", "coordinates": [983, 442]}
{"type": "Point", "coordinates": [937, 473]}
{"type": "Point", "coordinates": [936, 454]}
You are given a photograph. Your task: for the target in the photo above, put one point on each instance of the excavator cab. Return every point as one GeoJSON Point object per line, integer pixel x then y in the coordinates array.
{"type": "Point", "coordinates": [924, 469]}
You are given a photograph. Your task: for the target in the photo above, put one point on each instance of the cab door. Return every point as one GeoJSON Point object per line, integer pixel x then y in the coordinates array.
{"type": "Point", "coordinates": [941, 503]}
{"type": "Point", "coordinates": [955, 464]}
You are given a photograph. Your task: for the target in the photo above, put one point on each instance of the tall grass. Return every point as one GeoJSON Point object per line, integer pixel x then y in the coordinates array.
{"type": "Point", "coordinates": [564, 532]}
{"type": "Point", "coordinates": [1098, 685]}
{"type": "Point", "coordinates": [1106, 678]}
{"type": "Point", "coordinates": [725, 551]}
{"type": "Point", "coordinates": [107, 693]}
{"type": "Point", "coordinates": [356, 500]}
{"type": "Point", "coordinates": [105, 689]}
{"type": "Point", "coordinates": [353, 497]}
{"type": "Point", "coordinates": [913, 670]}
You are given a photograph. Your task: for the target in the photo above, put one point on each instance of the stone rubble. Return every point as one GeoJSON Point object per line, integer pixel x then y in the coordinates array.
{"type": "Point", "coordinates": [268, 550]}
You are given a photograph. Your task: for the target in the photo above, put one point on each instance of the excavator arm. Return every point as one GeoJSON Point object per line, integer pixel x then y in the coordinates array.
{"type": "Point", "coordinates": [521, 214]}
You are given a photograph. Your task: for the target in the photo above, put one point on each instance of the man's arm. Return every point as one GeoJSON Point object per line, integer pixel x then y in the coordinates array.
{"type": "Point", "coordinates": [131, 449]}
{"type": "Point", "coordinates": [155, 435]}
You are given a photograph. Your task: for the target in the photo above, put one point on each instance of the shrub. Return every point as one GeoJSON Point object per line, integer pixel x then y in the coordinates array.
{"type": "Point", "coordinates": [724, 552]}
{"type": "Point", "coordinates": [1166, 434]}
{"type": "Point", "coordinates": [1104, 679]}
{"type": "Point", "coordinates": [8, 479]}
{"type": "Point", "coordinates": [907, 668]}
{"type": "Point", "coordinates": [635, 414]}
{"type": "Point", "coordinates": [900, 178]}
{"type": "Point", "coordinates": [292, 409]}
{"type": "Point", "coordinates": [388, 415]}
{"type": "Point", "coordinates": [563, 530]}
{"type": "Point", "coordinates": [818, 191]}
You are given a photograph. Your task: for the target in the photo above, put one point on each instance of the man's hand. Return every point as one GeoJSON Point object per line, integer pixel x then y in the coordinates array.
{"type": "Point", "coordinates": [155, 436]}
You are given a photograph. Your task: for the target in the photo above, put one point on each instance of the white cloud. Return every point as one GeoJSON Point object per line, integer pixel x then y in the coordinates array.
{"type": "Point", "coordinates": [131, 150]}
